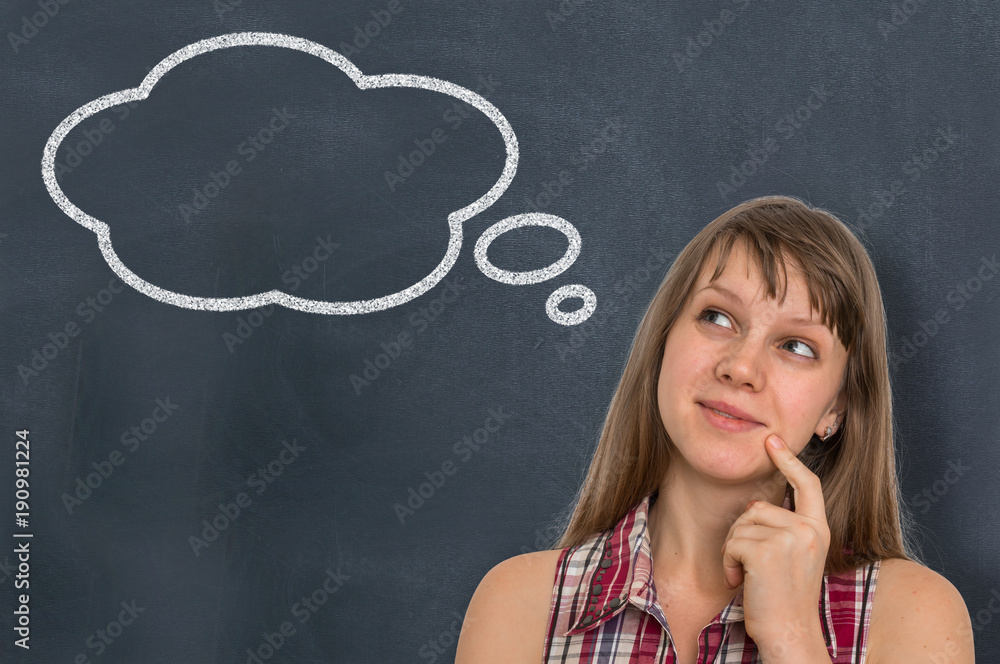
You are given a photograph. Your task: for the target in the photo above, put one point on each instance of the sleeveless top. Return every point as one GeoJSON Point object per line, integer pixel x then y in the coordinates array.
{"type": "Point", "coordinates": [623, 621]}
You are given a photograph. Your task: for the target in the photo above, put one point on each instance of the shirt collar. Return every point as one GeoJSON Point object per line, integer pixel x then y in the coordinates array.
{"type": "Point", "coordinates": [619, 572]}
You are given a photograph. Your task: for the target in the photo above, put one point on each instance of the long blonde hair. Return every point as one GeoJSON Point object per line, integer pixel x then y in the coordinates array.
{"type": "Point", "coordinates": [856, 465]}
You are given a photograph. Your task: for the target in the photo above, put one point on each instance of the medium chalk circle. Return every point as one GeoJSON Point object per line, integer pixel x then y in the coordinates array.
{"type": "Point", "coordinates": [531, 276]}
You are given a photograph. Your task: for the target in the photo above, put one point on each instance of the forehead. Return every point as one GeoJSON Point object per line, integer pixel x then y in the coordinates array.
{"type": "Point", "coordinates": [741, 266]}
{"type": "Point", "coordinates": [740, 279]}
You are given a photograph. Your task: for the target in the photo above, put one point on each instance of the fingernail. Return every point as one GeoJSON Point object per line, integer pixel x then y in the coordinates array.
{"type": "Point", "coordinates": [775, 442]}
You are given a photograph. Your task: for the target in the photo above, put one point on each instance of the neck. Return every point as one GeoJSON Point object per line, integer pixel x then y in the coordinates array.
{"type": "Point", "coordinates": [689, 523]}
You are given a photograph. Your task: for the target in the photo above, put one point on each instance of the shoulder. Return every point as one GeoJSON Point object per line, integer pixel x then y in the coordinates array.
{"type": "Point", "coordinates": [509, 611]}
{"type": "Point", "coordinates": [917, 614]}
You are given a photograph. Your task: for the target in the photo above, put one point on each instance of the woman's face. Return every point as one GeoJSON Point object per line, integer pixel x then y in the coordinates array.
{"type": "Point", "coordinates": [745, 351]}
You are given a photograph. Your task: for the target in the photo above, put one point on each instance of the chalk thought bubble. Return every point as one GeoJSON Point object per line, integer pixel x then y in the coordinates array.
{"type": "Point", "coordinates": [455, 219]}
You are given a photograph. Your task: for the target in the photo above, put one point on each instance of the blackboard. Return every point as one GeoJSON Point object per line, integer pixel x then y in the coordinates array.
{"type": "Point", "coordinates": [226, 466]}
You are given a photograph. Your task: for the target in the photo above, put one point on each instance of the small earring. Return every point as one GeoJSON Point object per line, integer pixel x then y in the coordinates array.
{"type": "Point", "coordinates": [829, 431]}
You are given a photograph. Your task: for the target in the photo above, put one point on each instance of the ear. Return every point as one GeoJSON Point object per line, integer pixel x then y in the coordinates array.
{"type": "Point", "coordinates": [835, 415]}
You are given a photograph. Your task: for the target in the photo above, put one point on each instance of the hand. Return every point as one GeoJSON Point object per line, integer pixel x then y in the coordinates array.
{"type": "Point", "coordinates": [780, 555]}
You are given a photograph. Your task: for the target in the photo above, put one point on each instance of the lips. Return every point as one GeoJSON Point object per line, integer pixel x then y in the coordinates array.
{"type": "Point", "coordinates": [730, 409]}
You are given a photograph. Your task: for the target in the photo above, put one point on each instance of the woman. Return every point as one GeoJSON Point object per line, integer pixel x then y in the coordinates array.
{"type": "Point", "coordinates": [769, 326]}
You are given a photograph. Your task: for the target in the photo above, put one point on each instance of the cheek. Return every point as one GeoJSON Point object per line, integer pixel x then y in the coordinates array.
{"type": "Point", "coordinates": [684, 366]}
{"type": "Point", "coordinates": [679, 349]}
{"type": "Point", "coordinates": [798, 407]}
{"type": "Point", "coordinates": [682, 375]}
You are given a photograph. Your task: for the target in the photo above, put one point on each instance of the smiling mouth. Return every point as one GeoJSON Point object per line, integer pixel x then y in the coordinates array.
{"type": "Point", "coordinates": [729, 416]}
{"type": "Point", "coordinates": [719, 412]}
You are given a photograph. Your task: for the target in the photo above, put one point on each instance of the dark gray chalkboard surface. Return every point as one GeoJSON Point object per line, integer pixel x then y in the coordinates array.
{"type": "Point", "coordinates": [200, 478]}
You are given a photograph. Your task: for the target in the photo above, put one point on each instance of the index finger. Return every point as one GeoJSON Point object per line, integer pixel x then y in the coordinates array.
{"type": "Point", "coordinates": [808, 491]}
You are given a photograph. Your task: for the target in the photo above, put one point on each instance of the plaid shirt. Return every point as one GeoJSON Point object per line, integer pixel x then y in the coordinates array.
{"type": "Point", "coordinates": [624, 622]}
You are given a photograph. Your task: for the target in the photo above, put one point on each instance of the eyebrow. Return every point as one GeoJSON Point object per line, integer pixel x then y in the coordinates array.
{"type": "Point", "coordinates": [730, 295]}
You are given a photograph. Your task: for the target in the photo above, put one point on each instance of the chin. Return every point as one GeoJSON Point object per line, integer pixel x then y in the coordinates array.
{"type": "Point", "coordinates": [732, 466]}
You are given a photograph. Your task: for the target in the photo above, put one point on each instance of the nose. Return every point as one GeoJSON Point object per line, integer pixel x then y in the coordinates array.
{"type": "Point", "coordinates": [741, 363]}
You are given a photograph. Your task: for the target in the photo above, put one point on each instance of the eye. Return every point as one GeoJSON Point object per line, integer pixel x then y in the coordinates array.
{"type": "Point", "coordinates": [812, 353]}
{"type": "Point", "coordinates": [708, 316]}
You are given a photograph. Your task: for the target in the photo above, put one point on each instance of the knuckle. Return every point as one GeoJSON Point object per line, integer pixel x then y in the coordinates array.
{"type": "Point", "coordinates": [806, 533]}
{"type": "Point", "coordinates": [789, 538]}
